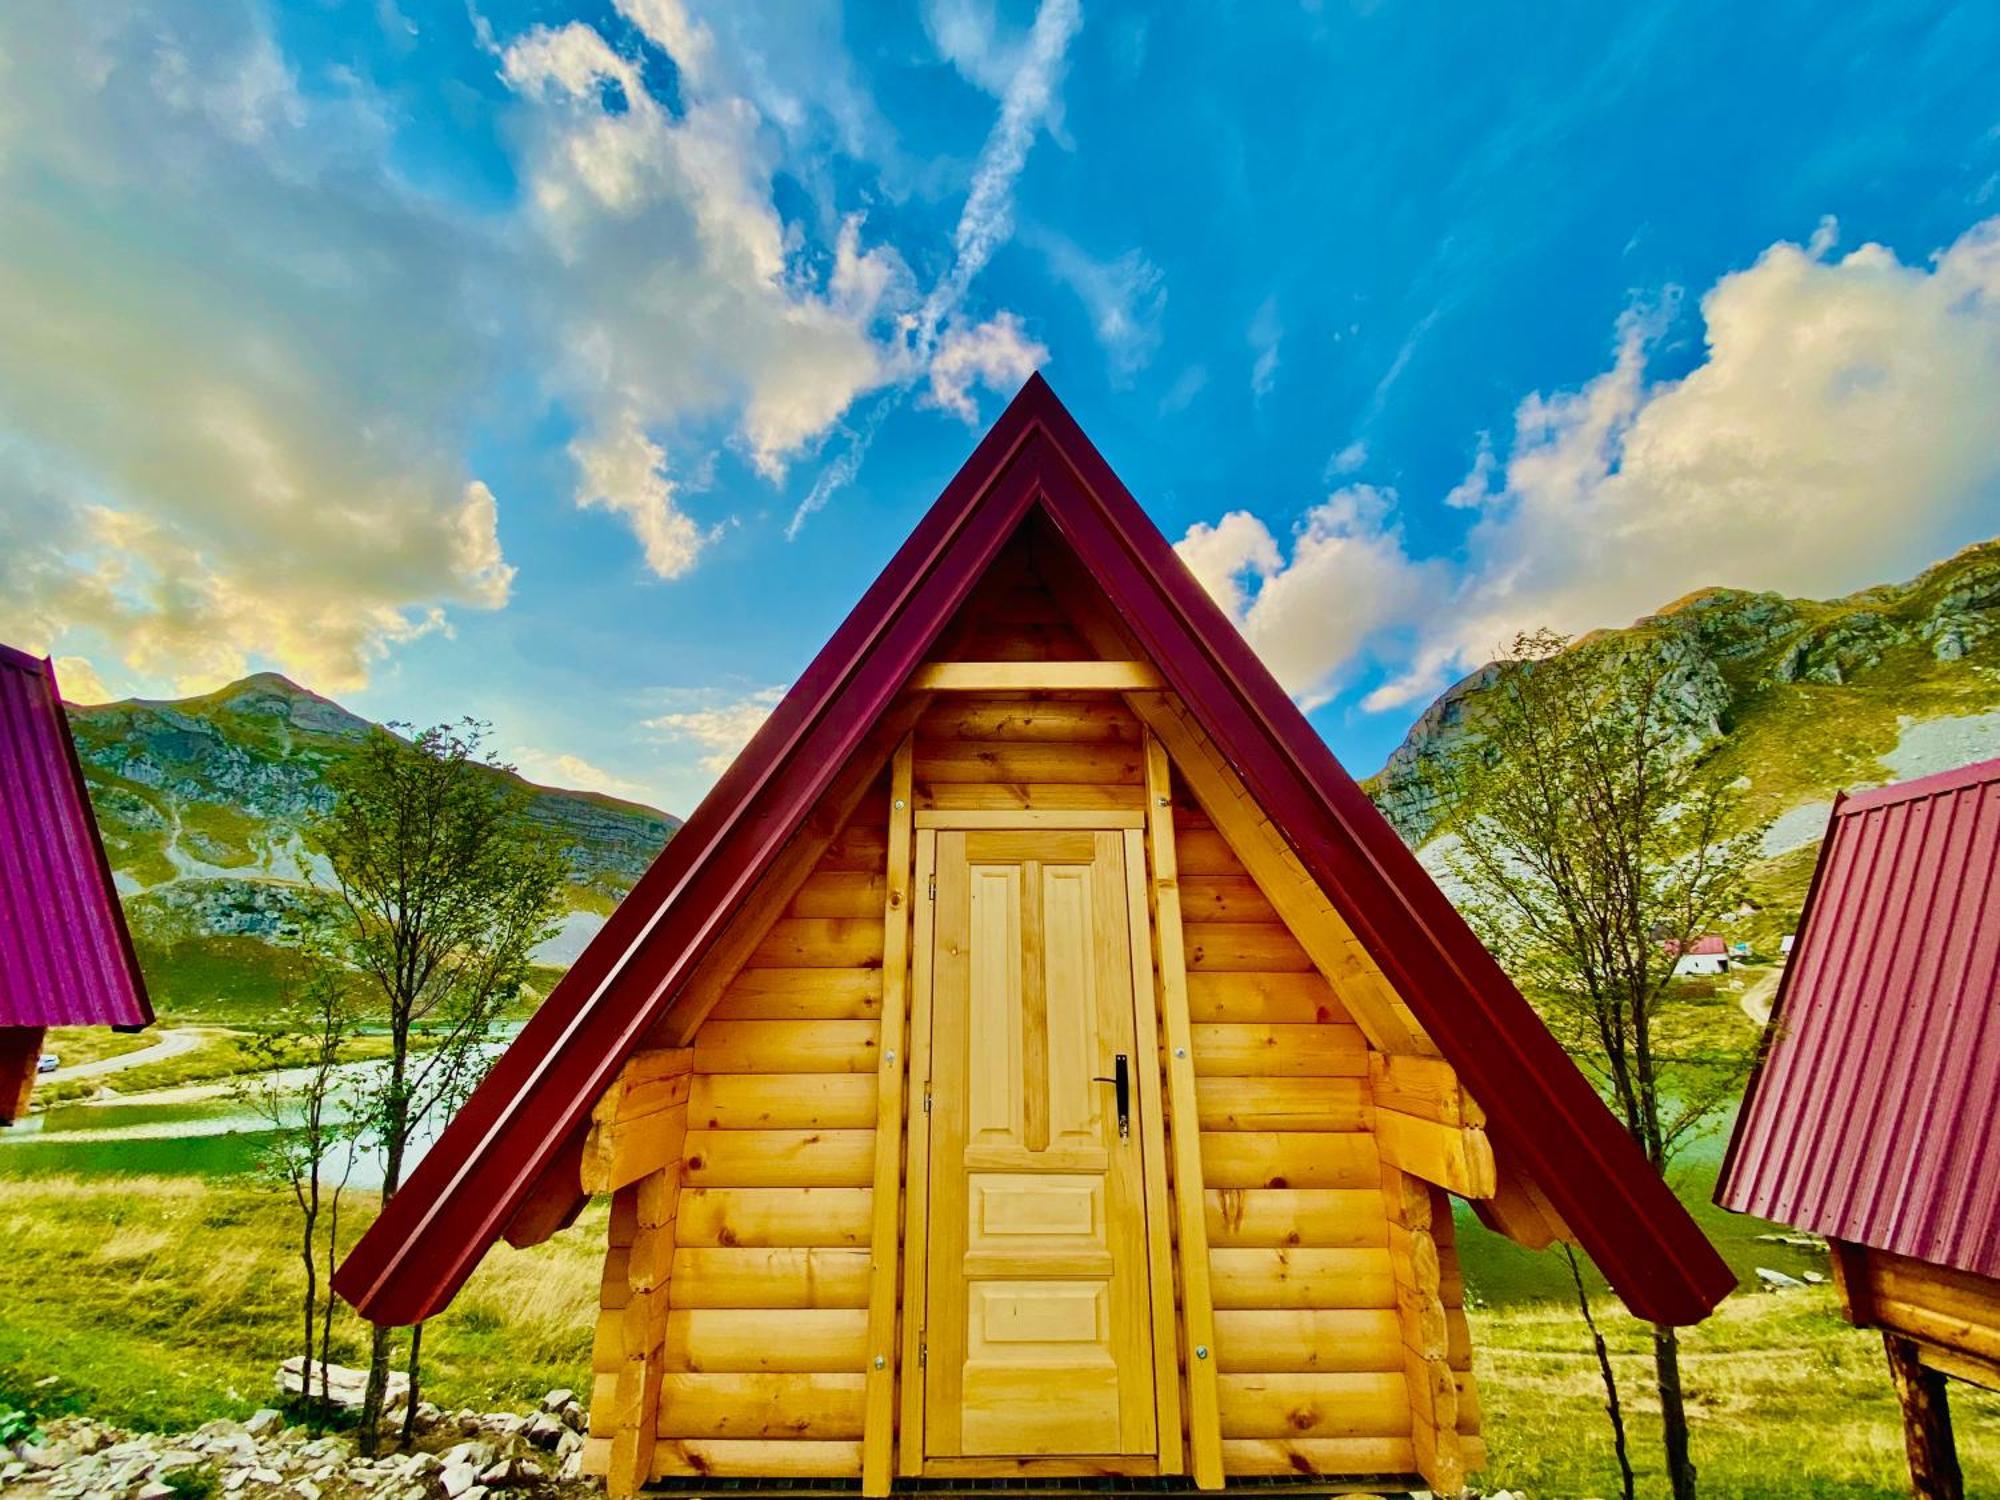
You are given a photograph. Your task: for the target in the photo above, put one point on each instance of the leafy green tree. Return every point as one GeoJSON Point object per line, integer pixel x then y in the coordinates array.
{"type": "Point", "coordinates": [1594, 840]}
{"type": "Point", "coordinates": [446, 888]}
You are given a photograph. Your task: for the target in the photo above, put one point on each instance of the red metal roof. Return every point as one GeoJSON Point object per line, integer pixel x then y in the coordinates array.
{"type": "Point", "coordinates": [1871, 1116]}
{"type": "Point", "coordinates": [1541, 1112]}
{"type": "Point", "coordinates": [65, 956]}
{"type": "Point", "coordinates": [1708, 946]}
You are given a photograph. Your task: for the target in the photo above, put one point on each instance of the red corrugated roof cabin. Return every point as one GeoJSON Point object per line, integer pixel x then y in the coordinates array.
{"type": "Point", "coordinates": [1035, 1057]}
{"type": "Point", "coordinates": [65, 956]}
{"type": "Point", "coordinates": [1873, 1117]}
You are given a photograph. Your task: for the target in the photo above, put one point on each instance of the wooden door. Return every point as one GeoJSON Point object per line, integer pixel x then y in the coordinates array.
{"type": "Point", "coordinates": [1038, 1337]}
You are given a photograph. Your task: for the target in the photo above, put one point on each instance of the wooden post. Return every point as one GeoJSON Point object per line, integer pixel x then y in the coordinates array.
{"type": "Point", "coordinates": [1413, 1256]}
{"type": "Point", "coordinates": [1204, 1420]}
{"type": "Point", "coordinates": [1934, 1472]}
{"type": "Point", "coordinates": [879, 1414]}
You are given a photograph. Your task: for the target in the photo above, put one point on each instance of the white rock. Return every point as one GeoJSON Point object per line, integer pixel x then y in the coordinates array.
{"type": "Point", "coordinates": [235, 1479]}
{"type": "Point", "coordinates": [557, 1399]}
{"type": "Point", "coordinates": [306, 1489]}
{"type": "Point", "coordinates": [458, 1478]}
{"type": "Point", "coordinates": [155, 1491]}
{"type": "Point", "coordinates": [266, 1476]}
{"type": "Point", "coordinates": [1776, 1280]}
{"type": "Point", "coordinates": [567, 1444]}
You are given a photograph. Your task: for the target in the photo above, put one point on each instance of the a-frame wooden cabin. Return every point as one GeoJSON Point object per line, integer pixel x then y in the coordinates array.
{"type": "Point", "coordinates": [1035, 1057]}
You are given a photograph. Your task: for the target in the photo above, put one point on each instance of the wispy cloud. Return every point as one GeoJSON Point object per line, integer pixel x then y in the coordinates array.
{"type": "Point", "coordinates": [719, 728]}
{"type": "Point", "coordinates": [1125, 297]}
{"type": "Point", "coordinates": [1266, 334]}
{"type": "Point", "coordinates": [1025, 78]}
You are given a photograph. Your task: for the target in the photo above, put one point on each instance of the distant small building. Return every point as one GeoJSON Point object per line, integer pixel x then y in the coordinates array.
{"type": "Point", "coordinates": [65, 955]}
{"type": "Point", "coordinates": [1785, 943]}
{"type": "Point", "coordinates": [1708, 954]}
{"type": "Point", "coordinates": [1871, 1118]}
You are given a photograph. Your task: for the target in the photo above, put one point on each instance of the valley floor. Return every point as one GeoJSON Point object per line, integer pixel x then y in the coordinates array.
{"type": "Point", "coordinates": [164, 1301]}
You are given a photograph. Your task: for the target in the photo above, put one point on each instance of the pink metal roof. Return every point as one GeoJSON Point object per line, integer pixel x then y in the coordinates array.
{"type": "Point", "coordinates": [1707, 947]}
{"type": "Point", "coordinates": [1872, 1116]}
{"type": "Point", "coordinates": [65, 956]}
{"type": "Point", "coordinates": [514, 1130]}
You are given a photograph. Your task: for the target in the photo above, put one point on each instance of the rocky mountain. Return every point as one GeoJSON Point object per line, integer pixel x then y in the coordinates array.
{"type": "Point", "coordinates": [1805, 697]}
{"type": "Point", "coordinates": [204, 804]}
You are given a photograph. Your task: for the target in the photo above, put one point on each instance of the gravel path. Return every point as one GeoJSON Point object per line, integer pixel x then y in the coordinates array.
{"type": "Point", "coordinates": [170, 1044]}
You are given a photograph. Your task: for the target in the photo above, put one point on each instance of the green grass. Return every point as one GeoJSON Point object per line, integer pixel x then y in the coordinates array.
{"type": "Point", "coordinates": [218, 978]}
{"type": "Point", "coordinates": [1785, 1400]}
{"type": "Point", "coordinates": [163, 1302]}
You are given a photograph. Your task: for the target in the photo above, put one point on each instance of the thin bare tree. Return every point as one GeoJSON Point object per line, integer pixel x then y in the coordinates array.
{"type": "Point", "coordinates": [1594, 840]}
{"type": "Point", "coordinates": [446, 889]}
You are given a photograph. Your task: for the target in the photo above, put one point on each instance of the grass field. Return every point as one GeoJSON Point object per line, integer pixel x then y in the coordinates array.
{"type": "Point", "coordinates": [164, 1301]}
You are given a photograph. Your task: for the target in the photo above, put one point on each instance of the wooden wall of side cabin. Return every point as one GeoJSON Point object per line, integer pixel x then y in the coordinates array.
{"type": "Point", "coordinates": [1952, 1316]}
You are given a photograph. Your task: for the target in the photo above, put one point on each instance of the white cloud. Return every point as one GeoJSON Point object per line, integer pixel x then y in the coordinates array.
{"type": "Point", "coordinates": [559, 768]}
{"type": "Point", "coordinates": [1266, 334]}
{"type": "Point", "coordinates": [1838, 432]}
{"type": "Point", "coordinates": [1125, 298]}
{"type": "Point", "coordinates": [720, 730]}
{"type": "Point", "coordinates": [625, 471]}
{"type": "Point", "coordinates": [79, 682]}
{"type": "Point", "coordinates": [1348, 459]}
{"type": "Point", "coordinates": [207, 458]}
{"type": "Point", "coordinates": [1346, 589]}
{"type": "Point", "coordinates": [997, 354]}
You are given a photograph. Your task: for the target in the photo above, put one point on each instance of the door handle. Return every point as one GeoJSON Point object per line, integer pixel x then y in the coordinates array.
{"type": "Point", "coordinates": [1121, 1085]}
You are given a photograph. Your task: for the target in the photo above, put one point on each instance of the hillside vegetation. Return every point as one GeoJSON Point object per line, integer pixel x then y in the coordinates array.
{"type": "Point", "coordinates": [1801, 699]}
{"type": "Point", "coordinates": [205, 805]}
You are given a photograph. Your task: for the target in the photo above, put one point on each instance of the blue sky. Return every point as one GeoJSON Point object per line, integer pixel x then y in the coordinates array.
{"type": "Point", "coordinates": [576, 366]}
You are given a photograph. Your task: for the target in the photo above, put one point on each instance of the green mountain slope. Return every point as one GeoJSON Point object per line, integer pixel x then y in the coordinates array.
{"type": "Point", "coordinates": [204, 804]}
{"type": "Point", "coordinates": [1806, 698]}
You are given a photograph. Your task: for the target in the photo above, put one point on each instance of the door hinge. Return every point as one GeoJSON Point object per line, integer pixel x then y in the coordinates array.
{"type": "Point", "coordinates": [927, 1098]}
{"type": "Point", "coordinates": [933, 885]}
{"type": "Point", "coordinates": [923, 1354]}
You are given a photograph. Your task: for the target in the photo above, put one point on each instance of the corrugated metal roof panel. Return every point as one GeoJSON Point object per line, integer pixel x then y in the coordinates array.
{"type": "Point", "coordinates": [1874, 1115]}
{"type": "Point", "coordinates": [65, 956]}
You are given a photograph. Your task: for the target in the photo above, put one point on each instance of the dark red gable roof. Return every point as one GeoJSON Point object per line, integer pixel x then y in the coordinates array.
{"type": "Point", "coordinates": [1871, 1116]}
{"type": "Point", "coordinates": [1541, 1112]}
{"type": "Point", "coordinates": [65, 956]}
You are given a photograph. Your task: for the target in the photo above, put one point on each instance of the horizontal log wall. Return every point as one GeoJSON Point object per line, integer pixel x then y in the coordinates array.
{"type": "Point", "coordinates": [764, 1348]}
{"type": "Point", "coordinates": [1308, 1345]}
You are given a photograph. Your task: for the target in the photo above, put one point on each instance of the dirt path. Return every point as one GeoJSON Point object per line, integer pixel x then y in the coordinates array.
{"type": "Point", "coordinates": [1758, 998]}
{"type": "Point", "coordinates": [170, 1044]}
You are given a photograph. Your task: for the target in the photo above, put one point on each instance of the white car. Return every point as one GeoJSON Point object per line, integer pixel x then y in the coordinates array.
{"type": "Point", "coordinates": [49, 1063]}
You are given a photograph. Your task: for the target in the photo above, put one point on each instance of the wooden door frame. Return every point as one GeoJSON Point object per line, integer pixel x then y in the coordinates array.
{"type": "Point", "coordinates": [1158, 1208]}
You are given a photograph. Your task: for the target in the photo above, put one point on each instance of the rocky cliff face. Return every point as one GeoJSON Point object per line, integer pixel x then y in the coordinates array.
{"type": "Point", "coordinates": [204, 805]}
{"type": "Point", "coordinates": [1805, 697]}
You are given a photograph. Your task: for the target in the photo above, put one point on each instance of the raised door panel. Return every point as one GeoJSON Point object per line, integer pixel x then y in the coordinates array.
{"type": "Point", "coordinates": [1037, 1311]}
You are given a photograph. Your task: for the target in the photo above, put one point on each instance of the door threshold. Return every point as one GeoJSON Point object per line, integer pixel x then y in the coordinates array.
{"type": "Point", "coordinates": [1067, 1487]}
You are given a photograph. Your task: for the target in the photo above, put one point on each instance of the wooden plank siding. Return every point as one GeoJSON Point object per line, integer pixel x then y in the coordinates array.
{"type": "Point", "coordinates": [764, 1352]}
{"type": "Point", "coordinates": [1311, 1299]}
